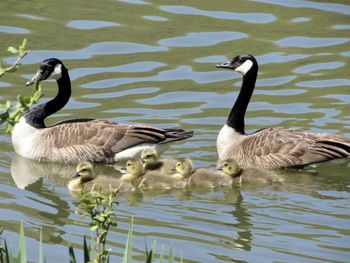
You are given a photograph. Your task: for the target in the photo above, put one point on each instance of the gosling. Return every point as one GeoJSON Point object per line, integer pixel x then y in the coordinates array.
{"type": "Point", "coordinates": [150, 158]}
{"type": "Point", "coordinates": [233, 171]}
{"type": "Point", "coordinates": [200, 177]}
{"type": "Point", "coordinates": [86, 180]}
{"type": "Point", "coordinates": [135, 172]}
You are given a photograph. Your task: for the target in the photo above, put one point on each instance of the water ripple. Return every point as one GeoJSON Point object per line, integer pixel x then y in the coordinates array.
{"type": "Point", "coordinates": [202, 39]}
{"type": "Point", "coordinates": [280, 57]}
{"type": "Point", "coordinates": [318, 66]}
{"type": "Point", "coordinates": [337, 8]}
{"type": "Point", "coordinates": [102, 48]}
{"type": "Point", "coordinates": [90, 24]}
{"type": "Point", "coordinates": [310, 42]}
{"type": "Point", "coordinates": [180, 73]}
{"type": "Point", "coordinates": [13, 30]}
{"type": "Point", "coordinates": [255, 18]}
{"type": "Point", "coordinates": [323, 83]}
{"type": "Point", "coordinates": [156, 18]}
{"type": "Point", "coordinates": [143, 66]}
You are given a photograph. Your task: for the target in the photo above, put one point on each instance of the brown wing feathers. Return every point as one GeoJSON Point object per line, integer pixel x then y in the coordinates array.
{"type": "Point", "coordinates": [280, 147]}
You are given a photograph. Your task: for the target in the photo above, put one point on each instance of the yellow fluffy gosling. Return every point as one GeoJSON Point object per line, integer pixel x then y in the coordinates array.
{"type": "Point", "coordinates": [86, 180]}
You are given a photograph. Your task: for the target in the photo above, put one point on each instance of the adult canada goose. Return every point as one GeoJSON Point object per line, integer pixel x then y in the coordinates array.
{"type": "Point", "coordinates": [275, 147]}
{"type": "Point", "coordinates": [150, 158]}
{"type": "Point", "coordinates": [86, 180]}
{"type": "Point", "coordinates": [201, 177]}
{"type": "Point", "coordinates": [232, 170]}
{"type": "Point", "coordinates": [80, 140]}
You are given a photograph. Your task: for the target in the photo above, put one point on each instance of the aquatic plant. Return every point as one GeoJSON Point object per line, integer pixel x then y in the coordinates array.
{"type": "Point", "coordinates": [99, 208]}
{"type": "Point", "coordinates": [8, 112]}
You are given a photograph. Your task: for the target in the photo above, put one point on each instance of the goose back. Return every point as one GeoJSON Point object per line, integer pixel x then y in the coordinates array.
{"type": "Point", "coordinates": [278, 147]}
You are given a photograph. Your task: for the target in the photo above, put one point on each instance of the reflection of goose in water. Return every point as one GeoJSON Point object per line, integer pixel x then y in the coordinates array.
{"type": "Point", "coordinates": [25, 171]}
{"type": "Point", "coordinates": [79, 140]}
{"type": "Point", "coordinates": [48, 206]}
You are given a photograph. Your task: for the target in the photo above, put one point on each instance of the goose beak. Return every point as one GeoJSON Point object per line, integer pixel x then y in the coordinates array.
{"type": "Point", "coordinates": [35, 78]}
{"type": "Point", "coordinates": [229, 65]}
{"type": "Point", "coordinates": [223, 65]}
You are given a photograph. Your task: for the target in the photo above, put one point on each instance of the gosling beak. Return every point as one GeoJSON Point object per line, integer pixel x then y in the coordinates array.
{"type": "Point", "coordinates": [76, 175]}
{"type": "Point", "coordinates": [220, 168]}
{"type": "Point", "coordinates": [36, 77]}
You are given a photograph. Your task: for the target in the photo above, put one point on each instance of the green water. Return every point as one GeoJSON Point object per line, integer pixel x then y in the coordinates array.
{"type": "Point", "coordinates": [153, 62]}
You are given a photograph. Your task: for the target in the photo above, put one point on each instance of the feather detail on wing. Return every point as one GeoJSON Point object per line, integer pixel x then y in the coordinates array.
{"type": "Point", "coordinates": [100, 140]}
{"type": "Point", "coordinates": [282, 147]}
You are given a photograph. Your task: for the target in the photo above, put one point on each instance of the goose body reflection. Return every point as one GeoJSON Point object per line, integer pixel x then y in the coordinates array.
{"type": "Point", "coordinates": [273, 147]}
{"type": "Point", "coordinates": [78, 140]}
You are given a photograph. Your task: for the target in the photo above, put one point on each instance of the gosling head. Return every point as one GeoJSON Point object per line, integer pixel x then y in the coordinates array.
{"type": "Point", "coordinates": [243, 64]}
{"type": "Point", "coordinates": [51, 68]}
{"type": "Point", "coordinates": [230, 167]}
{"type": "Point", "coordinates": [85, 171]}
{"type": "Point", "coordinates": [149, 157]}
{"type": "Point", "coordinates": [184, 167]}
{"type": "Point", "coordinates": [135, 167]}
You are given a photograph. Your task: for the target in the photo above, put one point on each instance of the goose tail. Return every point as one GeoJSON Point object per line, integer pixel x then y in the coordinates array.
{"type": "Point", "coordinates": [176, 135]}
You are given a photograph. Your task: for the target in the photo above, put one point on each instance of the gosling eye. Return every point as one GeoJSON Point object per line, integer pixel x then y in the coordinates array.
{"type": "Point", "coordinates": [128, 164]}
{"type": "Point", "coordinates": [178, 164]}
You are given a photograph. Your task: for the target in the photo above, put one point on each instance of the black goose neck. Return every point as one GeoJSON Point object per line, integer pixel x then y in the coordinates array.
{"type": "Point", "coordinates": [236, 117]}
{"type": "Point", "coordinates": [36, 116]}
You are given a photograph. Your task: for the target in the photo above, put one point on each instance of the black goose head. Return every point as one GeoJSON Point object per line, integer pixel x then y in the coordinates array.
{"type": "Point", "coordinates": [243, 64]}
{"type": "Point", "coordinates": [49, 69]}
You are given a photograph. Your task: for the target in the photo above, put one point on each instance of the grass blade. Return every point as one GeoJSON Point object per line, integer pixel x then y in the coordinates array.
{"type": "Point", "coordinates": [22, 254]}
{"type": "Point", "coordinates": [72, 258]}
{"type": "Point", "coordinates": [86, 251]}
{"type": "Point", "coordinates": [41, 252]}
{"type": "Point", "coordinates": [171, 253]}
{"type": "Point", "coordinates": [161, 255]}
{"type": "Point", "coordinates": [128, 247]}
{"type": "Point", "coordinates": [7, 254]}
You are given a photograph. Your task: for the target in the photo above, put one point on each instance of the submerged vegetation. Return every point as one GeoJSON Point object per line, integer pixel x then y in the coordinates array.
{"type": "Point", "coordinates": [10, 112]}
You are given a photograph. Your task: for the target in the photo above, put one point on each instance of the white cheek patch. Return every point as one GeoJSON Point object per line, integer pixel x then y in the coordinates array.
{"type": "Point", "coordinates": [56, 73]}
{"type": "Point", "coordinates": [245, 67]}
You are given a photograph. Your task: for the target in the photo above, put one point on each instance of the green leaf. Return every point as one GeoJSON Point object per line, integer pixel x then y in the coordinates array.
{"type": "Point", "coordinates": [93, 228]}
{"type": "Point", "coordinates": [128, 247]}
{"type": "Point", "coordinates": [12, 50]}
